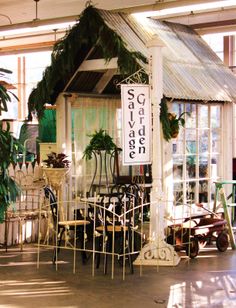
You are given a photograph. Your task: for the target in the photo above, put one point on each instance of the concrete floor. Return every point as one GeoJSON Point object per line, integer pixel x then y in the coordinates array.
{"type": "Point", "coordinates": [207, 281]}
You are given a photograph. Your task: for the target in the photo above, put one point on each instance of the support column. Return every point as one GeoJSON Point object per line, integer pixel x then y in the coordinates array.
{"type": "Point", "coordinates": [157, 251]}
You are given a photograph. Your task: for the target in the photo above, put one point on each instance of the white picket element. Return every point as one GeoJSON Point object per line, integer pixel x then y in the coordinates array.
{"type": "Point", "coordinates": [23, 216]}
{"type": "Point", "coordinates": [23, 169]}
{"type": "Point", "coordinates": [11, 171]}
{"type": "Point", "coordinates": [30, 169]}
{"type": "Point", "coordinates": [38, 172]}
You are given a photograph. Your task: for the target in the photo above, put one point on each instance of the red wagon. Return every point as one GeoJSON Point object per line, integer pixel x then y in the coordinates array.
{"type": "Point", "coordinates": [196, 232]}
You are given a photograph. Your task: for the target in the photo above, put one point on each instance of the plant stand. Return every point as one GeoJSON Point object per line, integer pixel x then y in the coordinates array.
{"type": "Point", "coordinates": [55, 178]}
{"type": "Point", "coordinates": [102, 170]}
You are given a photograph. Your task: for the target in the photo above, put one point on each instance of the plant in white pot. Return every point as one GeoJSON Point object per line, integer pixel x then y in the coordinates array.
{"type": "Point", "coordinates": [56, 166]}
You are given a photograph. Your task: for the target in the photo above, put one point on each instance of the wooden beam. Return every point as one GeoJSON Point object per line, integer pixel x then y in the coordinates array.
{"type": "Point", "coordinates": [160, 6]}
{"type": "Point", "coordinates": [97, 65]}
{"type": "Point", "coordinates": [27, 47]}
{"type": "Point", "coordinates": [39, 22]}
{"type": "Point", "coordinates": [203, 19]}
{"type": "Point", "coordinates": [103, 82]}
{"type": "Point", "coordinates": [210, 30]}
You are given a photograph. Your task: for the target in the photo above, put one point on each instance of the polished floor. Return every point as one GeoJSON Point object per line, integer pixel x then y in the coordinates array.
{"type": "Point", "coordinates": [207, 281]}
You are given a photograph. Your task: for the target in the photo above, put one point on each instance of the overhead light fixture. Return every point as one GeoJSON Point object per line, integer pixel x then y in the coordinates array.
{"type": "Point", "coordinates": [36, 10]}
{"type": "Point", "coordinates": [7, 17]}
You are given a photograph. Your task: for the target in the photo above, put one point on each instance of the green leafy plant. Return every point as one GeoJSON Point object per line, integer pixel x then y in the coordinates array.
{"type": "Point", "coordinates": [10, 147]}
{"type": "Point", "coordinates": [55, 160]}
{"type": "Point", "coordinates": [175, 123]}
{"type": "Point", "coordinates": [170, 122]}
{"type": "Point", "coordinates": [100, 141]}
{"type": "Point", "coordinates": [5, 94]}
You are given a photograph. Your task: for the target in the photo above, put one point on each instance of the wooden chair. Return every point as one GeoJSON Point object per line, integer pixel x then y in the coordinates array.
{"type": "Point", "coordinates": [116, 224]}
{"type": "Point", "coordinates": [62, 227]}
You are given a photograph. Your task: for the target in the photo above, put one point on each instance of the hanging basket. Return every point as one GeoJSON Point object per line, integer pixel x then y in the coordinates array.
{"type": "Point", "coordinates": [174, 133]}
{"type": "Point", "coordinates": [55, 176]}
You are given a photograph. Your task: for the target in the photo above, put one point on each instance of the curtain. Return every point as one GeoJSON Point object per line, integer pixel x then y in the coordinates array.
{"type": "Point", "coordinates": [88, 115]}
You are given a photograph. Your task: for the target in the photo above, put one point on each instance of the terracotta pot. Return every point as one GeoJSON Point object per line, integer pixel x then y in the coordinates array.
{"type": "Point", "coordinates": [174, 134]}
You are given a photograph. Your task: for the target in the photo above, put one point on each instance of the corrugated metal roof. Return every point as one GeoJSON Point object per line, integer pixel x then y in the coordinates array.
{"type": "Point", "coordinates": [191, 70]}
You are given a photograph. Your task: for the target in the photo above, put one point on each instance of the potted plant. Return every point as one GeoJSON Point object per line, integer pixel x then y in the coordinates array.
{"type": "Point", "coordinates": [55, 160]}
{"type": "Point", "coordinates": [175, 123]}
{"type": "Point", "coordinates": [56, 166]}
{"type": "Point", "coordinates": [170, 122]}
{"type": "Point", "coordinates": [100, 141]}
{"type": "Point", "coordinates": [99, 146]}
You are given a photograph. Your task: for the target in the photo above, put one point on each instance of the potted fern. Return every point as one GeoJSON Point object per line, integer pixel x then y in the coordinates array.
{"type": "Point", "coordinates": [100, 141]}
{"type": "Point", "coordinates": [101, 144]}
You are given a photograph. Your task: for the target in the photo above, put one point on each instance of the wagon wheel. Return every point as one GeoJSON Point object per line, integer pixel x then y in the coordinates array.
{"type": "Point", "coordinates": [170, 240]}
{"type": "Point", "coordinates": [192, 248]}
{"type": "Point", "coordinates": [222, 241]}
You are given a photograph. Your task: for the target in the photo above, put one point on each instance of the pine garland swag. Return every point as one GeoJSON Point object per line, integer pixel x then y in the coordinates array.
{"type": "Point", "coordinates": [89, 31]}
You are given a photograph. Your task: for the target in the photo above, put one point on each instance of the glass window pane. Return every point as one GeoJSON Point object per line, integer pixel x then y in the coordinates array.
{"type": "Point", "coordinates": [215, 116]}
{"type": "Point", "coordinates": [216, 144]}
{"type": "Point", "coordinates": [177, 171]}
{"type": "Point", "coordinates": [191, 166]}
{"type": "Point", "coordinates": [191, 147]}
{"type": "Point", "coordinates": [203, 166]}
{"type": "Point", "coordinates": [203, 141]}
{"type": "Point", "coordinates": [190, 118]}
{"type": "Point", "coordinates": [178, 108]}
{"type": "Point", "coordinates": [203, 116]}
{"type": "Point", "coordinates": [177, 146]}
{"type": "Point", "coordinates": [178, 193]}
{"type": "Point", "coordinates": [190, 189]}
{"type": "Point", "coordinates": [190, 135]}
{"type": "Point", "coordinates": [203, 191]}
{"type": "Point", "coordinates": [215, 167]}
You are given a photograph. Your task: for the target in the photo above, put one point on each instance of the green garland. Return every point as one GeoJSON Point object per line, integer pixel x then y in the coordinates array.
{"type": "Point", "coordinates": [67, 54]}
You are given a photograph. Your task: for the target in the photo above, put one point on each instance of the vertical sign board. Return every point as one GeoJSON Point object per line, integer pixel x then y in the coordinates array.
{"type": "Point", "coordinates": [136, 124]}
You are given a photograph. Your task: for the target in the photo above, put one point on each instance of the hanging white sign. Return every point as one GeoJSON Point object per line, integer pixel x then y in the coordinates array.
{"type": "Point", "coordinates": [136, 124]}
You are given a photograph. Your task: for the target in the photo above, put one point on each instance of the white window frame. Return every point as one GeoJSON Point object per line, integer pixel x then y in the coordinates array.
{"type": "Point", "coordinates": [197, 179]}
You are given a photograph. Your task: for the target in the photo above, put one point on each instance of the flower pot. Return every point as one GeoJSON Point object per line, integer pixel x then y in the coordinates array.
{"type": "Point", "coordinates": [55, 176]}
{"type": "Point", "coordinates": [174, 133]}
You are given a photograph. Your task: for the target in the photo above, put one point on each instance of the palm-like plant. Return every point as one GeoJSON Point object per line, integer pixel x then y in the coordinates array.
{"type": "Point", "coordinates": [9, 149]}
{"type": "Point", "coordinates": [9, 190]}
{"type": "Point", "coordinates": [5, 94]}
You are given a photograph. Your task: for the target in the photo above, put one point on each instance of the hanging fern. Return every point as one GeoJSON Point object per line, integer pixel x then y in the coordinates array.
{"type": "Point", "coordinates": [170, 122]}
{"type": "Point", "coordinates": [165, 119]}
{"type": "Point", "coordinates": [69, 52]}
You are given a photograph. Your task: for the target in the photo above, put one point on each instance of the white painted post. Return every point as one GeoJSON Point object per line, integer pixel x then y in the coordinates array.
{"type": "Point", "coordinates": [157, 251]}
